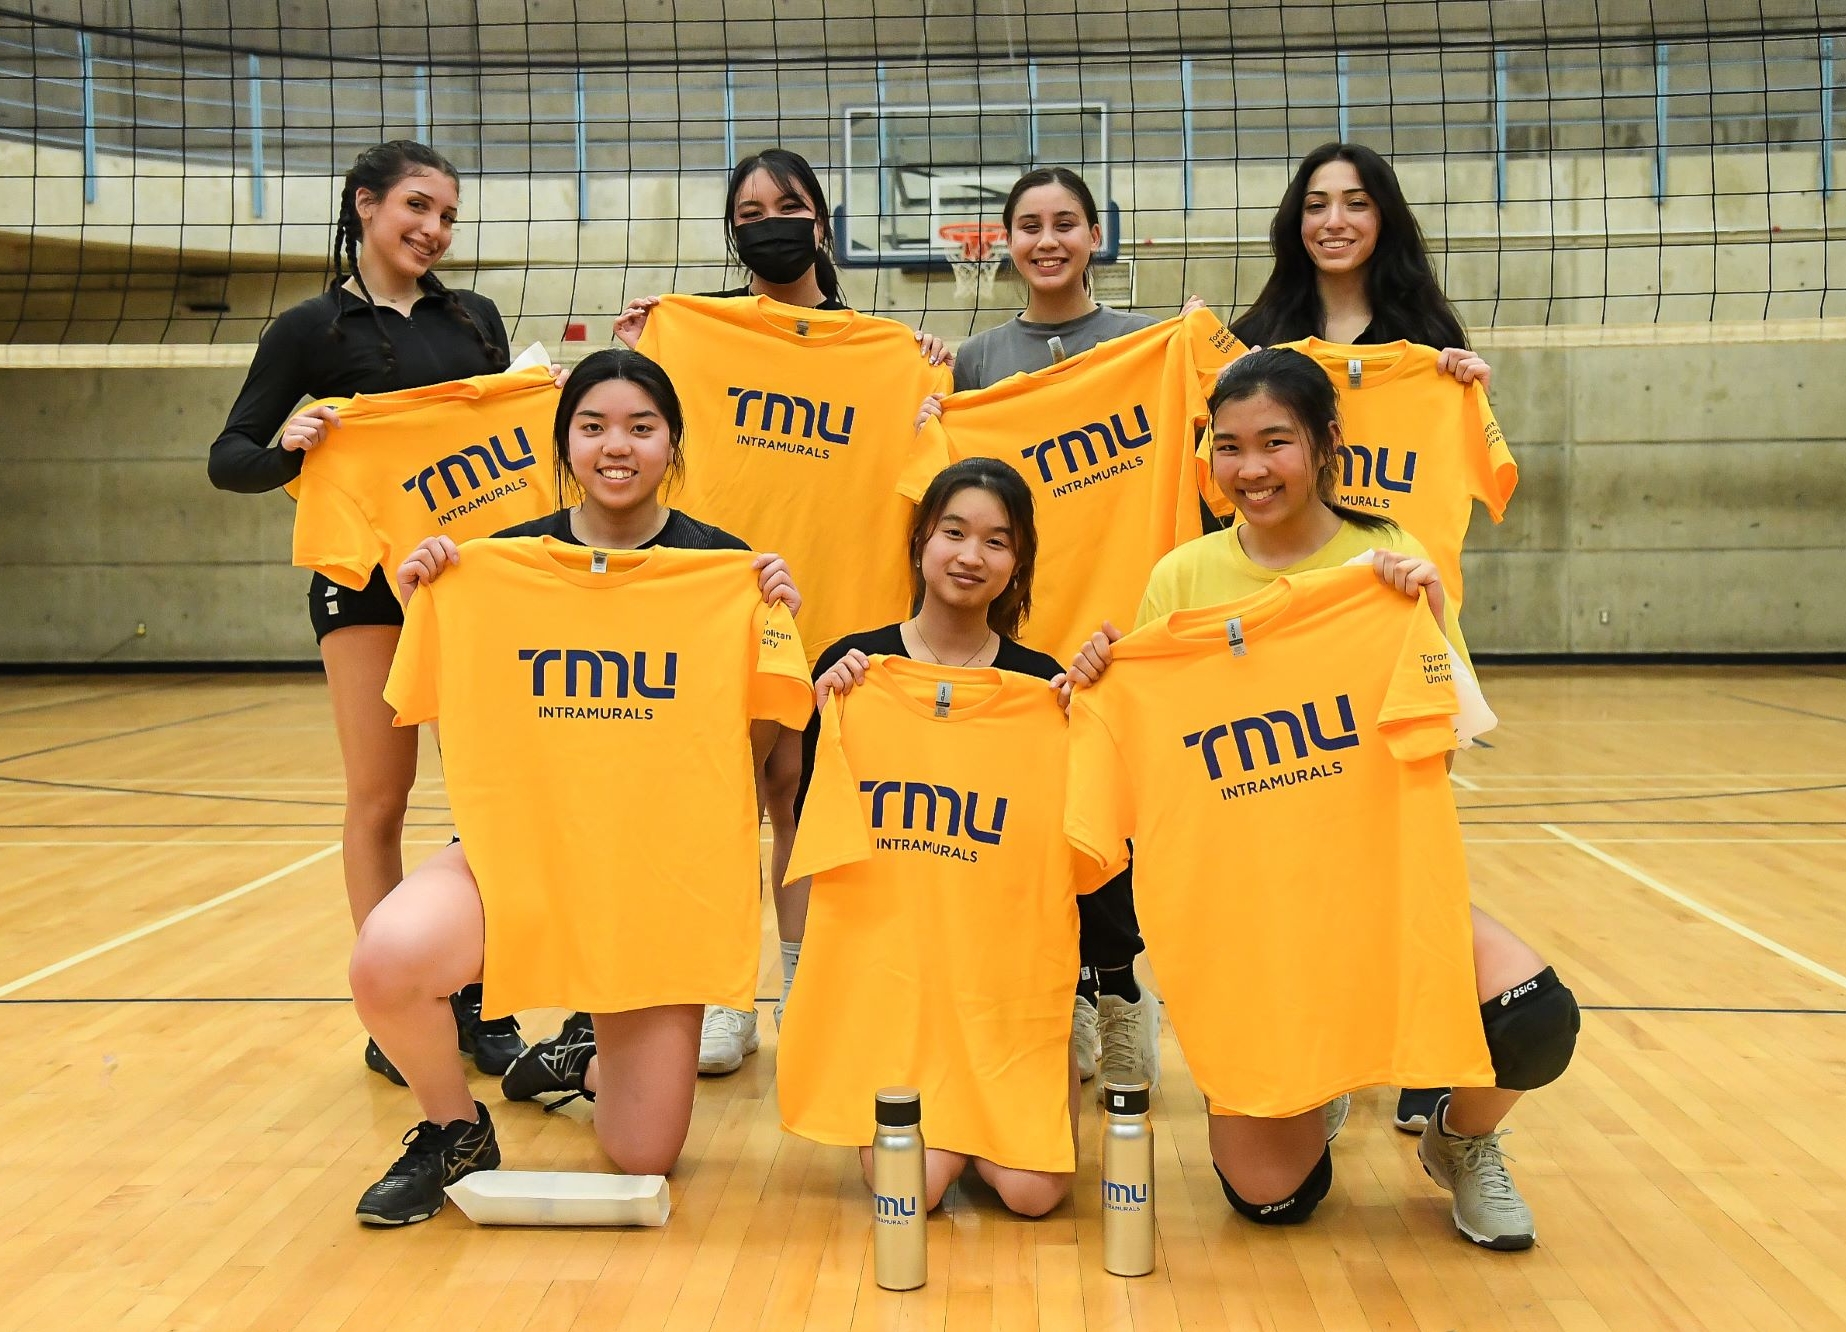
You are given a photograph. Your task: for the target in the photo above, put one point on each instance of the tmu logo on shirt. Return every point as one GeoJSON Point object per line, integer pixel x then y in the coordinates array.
{"type": "Point", "coordinates": [1069, 461]}
{"type": "Point", "coordinates": [775, 417]}
{"type": "Point", "coordinates": [459, 468]}
{"type": "Point", "coordinates": [941, 810]}
{"type": "Point", "coordinates": [1360, 465]}
{"type": "Point", "coordinates": [1303, 728]}
{"type": "Point", "coordinates": [596, 675]}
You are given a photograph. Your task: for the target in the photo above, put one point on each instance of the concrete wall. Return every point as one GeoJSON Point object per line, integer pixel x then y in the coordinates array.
{"type": "Point", "coordinates": [1687, 482]}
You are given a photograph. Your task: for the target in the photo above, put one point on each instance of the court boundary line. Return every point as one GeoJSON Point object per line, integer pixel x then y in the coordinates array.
{"type": "Point", "coordinates": [1695, 906]}
{"type": "Point", "coordinates": [154, 927]}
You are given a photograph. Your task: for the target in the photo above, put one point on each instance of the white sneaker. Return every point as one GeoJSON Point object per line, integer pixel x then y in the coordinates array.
{"type": "Point", "coordinates": [1130, 1038]}
{"type": "Point", "coordinates": [1336, 1112]}
{"type": "Point", "coordinates": [726, 1037]}
{"type": "Point", "coordinates": [1085, 1037]}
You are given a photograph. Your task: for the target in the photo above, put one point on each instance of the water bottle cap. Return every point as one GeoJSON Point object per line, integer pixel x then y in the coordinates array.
{"type": "Point", "coordinates": [899, 1107]}
{"type": "Point", "coordinates": [1125, 1098]}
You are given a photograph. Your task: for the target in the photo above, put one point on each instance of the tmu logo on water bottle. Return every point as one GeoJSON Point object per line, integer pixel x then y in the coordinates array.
{"type": "Point", "coordinates": [1123, 1197]}
{"type": "Point", "coordinates": [1303, 726]}
{"type": "Point", "coordinates": [459, 468]}
{"type": "Point", "coordinates": [895, 1211]}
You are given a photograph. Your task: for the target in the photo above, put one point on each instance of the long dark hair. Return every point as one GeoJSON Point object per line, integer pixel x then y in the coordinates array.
{"type": "Point", "coordinates": [1306, 393]}
{"type": "Point", "coordinates": [1007, 612]}
{"type": "Point", "coordinates": [792, 175]}
{"type": "Point", "coordinates": [1065, 178]}
{"type": "Point", "coordinates": [377, 171]}
{"type": "Point", "coordinates": [1406, 300]}
{"type": "Point", "coordinates": [599, 368]}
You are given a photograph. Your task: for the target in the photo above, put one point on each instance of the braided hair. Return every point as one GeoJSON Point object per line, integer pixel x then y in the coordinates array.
{"type": "Point", "coordinates": [377, 171]}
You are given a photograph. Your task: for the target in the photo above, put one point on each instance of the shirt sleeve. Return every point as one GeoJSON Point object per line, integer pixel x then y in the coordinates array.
{"type": "Point", "coordinates": [411, 688]}
{"type": "Point", "coordinates": [657, 333]}
{"type": "Point", "coordinates": [1492, 472]}
{"type": "Point", "coordinates": [780, 689]}
{"type": "Point", "coordinates": [1416, 717]}
{"type": "Point", "coordinates": [1213, 347]}
{"type": "Point", "coordinates": [1221, 505]}
{"type": "Point", "coordinates": [242, 458]}
{"type": "Point", "coordinates": [1099, 809]}
{"type": "Point", "coordinates": [332, 534]}
{"type": "Point", "coordinates": [930, 452]}
{"type": "Point", "coordinates": [832, 830]}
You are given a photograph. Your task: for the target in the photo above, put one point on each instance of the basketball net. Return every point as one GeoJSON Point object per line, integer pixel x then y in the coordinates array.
{"type": "Point", "coordinates": [971, 248]}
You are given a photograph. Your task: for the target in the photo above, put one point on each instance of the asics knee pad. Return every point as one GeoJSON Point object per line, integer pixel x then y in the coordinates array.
{"type": "Point", "coordinates": [1531, 1032]}
{"type": "Point", "coordinates": [1295, 1208]}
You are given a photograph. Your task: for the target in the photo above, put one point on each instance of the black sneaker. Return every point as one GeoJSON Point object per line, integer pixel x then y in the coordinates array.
{"type": "Point", "coordinates": [376, 1061]}
{"type": "Point", "coordinates": [1414, 1107]}
{"type": "Point", "coordinates": [411, 1190]}
{"type": "Point", "coordinates": [553, 1067]}
{"type": "Point", "coordinates": [493, 1045]}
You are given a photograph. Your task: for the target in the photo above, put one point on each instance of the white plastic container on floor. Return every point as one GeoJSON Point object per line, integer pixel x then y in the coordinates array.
{"type": "Point", "coordinates": [561, 1198]}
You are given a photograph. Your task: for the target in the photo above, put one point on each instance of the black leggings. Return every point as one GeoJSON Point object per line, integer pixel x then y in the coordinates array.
{"type": "Point", "coordinates": [1108, 935]}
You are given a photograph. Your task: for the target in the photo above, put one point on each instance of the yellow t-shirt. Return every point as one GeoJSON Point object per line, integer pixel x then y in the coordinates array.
{"type": "Point", "coordinates": [1216, 569]}
{"type": "Point", "coordinates": [1105, 440]}
{"type": "Point", "coordinates": [1299, 874]}
{"type": "Point", "coordinates": [1420, 446]}
{"type": "Point", "coordinates": [941, 941]}
{"type": "Point", "coordinates": [463, 459]}
{"type": "Point", "coordinates": [595, 710]}
{"type": "Point", "coordinates": [798, 425]}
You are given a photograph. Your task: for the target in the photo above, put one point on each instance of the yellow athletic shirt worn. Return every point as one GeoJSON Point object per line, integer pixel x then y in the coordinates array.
{"type": "Point", "coordinates": [798, 424]}
{"type": "Point", "coordinates": [462, 460]}
{"type": "Point", "coordinates": [1299, 874]}
{"type": "Point", "coordinates": [595, 710]}
{"type": "Point", "coordinates": [941, 942]}
{"type": "Point", "coordinates": [1420, 445]}
{"type": "Point", "coordinates": [1105, 440]}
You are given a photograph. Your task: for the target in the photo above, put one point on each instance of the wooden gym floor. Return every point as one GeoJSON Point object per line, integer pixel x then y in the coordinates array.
{"type": "Point", "coordinates": [185, 1124]}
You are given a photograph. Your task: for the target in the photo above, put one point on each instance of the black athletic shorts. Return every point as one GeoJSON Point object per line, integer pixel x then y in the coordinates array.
{"type": "Point", "coordinates": [331, 606]}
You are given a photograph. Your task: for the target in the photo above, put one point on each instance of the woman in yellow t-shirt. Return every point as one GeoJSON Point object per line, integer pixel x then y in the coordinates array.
{"type": "Point", "coordinates": [617, 434]}
{"type": "Point", "coordinates": [1275, 451]}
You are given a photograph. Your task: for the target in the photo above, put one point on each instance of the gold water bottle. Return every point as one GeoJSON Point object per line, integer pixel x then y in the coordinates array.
{"type": "Point", "coordinates": [1127, 1180]}
{"type": "Point", "coordinates": [900, 1212]}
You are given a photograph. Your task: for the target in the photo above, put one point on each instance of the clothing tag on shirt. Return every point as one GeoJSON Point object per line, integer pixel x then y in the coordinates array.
{"type": "Point", "coordinates": [1355, 370]}
{"type": "Point", "coordinates": [1233, 631]}
{"type": "Point", "coordinates": [801, 328]}
{"type": "Point", "coordinates": [945, 692]}
{"type": "Point", "coordinates": [1056, 344]}
{"type": "Point", "coordinates": [599, 561]}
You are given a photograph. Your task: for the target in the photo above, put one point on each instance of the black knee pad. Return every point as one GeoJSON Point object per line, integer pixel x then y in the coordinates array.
{"type": "Point", "coordinates": [1292, 1210]}
{"type": "Point", "coordinates": [1531, 1032]}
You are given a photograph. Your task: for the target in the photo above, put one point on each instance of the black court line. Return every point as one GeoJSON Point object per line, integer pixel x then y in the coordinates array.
{"type": "Point", "coordinates": [101, 698]}
{"type": "Point", "coordinates": [1783, 707]}
{"type": "Point", "coordinates": [190, 827]}
{"type": "Point", "coordinates": [194, 795]}
{"type": "Point", "coordinates": [1466, 823]}
{"type": "Point", "coordinates": [122, 735]}
{"type": "Point", "coordinates": [1606, 802]}
{"type": "Point", "coordinates": [197, 999]}
{"type": "Point", "coordinates": [1702, 1008]}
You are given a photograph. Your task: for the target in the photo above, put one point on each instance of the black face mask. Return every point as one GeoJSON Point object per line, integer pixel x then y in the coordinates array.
{"type": "Point", "coordinates": [777, 249]}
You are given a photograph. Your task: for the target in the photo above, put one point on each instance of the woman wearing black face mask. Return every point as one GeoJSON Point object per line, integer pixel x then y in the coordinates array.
{"type": "Point", "coordinates": [777, 225]}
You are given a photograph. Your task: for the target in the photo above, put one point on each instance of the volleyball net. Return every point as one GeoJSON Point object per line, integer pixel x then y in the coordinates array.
{"type": "Point", "coordinates": [1589, 162]}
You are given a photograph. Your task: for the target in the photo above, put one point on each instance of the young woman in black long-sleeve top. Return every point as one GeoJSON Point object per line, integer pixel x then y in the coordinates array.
{"type": "Point", "coordinates": [386, 323]}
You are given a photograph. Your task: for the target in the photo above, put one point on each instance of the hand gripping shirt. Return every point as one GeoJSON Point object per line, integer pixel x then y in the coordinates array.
{"type": "Point", "coordinates": [941, 941]}
{"type": "Point", "coordinates": [461, 460]}
{"type": "Point", "coordinates": [1299, 876]}
{"type": "Point", "coordinates": [595, 710]}
{"type": "Point", "coordinates": [1420, 446]}
{"type": "Point", "coordinates": [798, 425]}
{"type": "Point", "coordinates": [1105, 440]}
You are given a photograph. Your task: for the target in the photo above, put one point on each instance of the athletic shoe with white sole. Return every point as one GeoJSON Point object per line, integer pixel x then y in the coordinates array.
{"type": "Point", "coordinates": [1130, 1039]}
{"type": "Point", "coordinates": [1085, 1037]}
{"type": "Point", "coordinates": [553, 1068]}
{"type": "Point", "coordinates": [434, 1157]}
{"type": "Point", "coordinates": [1488, 1208]}
{"type": "Point", "coordinates": [728, 1034]}
{"type": "Point", "coordinates": [1414, 1105]}
{"type": "Point", "coordinates": [1336, 1112]}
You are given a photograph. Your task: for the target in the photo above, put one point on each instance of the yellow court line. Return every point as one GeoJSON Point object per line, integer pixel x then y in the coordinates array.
{"type": "Point", "coordinates": [1743, 931]}
{"type": "Point", "coordinates": [110, 945]}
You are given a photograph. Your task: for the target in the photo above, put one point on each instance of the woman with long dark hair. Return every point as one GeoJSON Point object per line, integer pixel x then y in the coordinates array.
{"type": "Point", "coordinates": [386, 322]}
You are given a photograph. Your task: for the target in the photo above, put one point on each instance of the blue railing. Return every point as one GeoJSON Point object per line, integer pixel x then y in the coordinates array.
{"type": "Point", "coordinates": [264, 114]}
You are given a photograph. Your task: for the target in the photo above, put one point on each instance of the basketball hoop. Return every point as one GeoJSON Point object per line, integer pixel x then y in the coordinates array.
{"type": "Point", "coordinates": [970, 246]}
